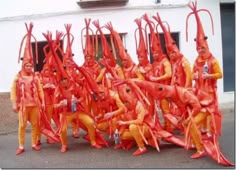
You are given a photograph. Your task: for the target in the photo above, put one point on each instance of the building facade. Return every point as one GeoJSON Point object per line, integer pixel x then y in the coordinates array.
{"type": "Point", "coordinates": [52, 15]}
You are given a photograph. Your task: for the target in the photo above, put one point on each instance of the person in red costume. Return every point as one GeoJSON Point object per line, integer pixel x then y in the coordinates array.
{"type": "Point", "coordinates": [90, 65]}
{"type": "Point", "coordinates": [111, 68]}
{"type": "Point", "coordinates": [199, 105]}
{"type": "Point", "coordinates": [206, 71]}
{"type": "Point", "coordinates": [67, 100]}
{"type": "Point", "coordinates": [129, 68]}
{"type": "Point", "coordinates": [144, 65]}
{"type": "Point", "coordinates": [110, 109]}
{"type": "Point", "coordinates": [49, 84]}
{"type": "Point", "coordinates": [181, 68]}
{"type": "Point", "coordinates": [133, 125]}
{"type": "Point", "coordinates": [27, 96]}
{"type": "Point", "coordinates": [161, 71]}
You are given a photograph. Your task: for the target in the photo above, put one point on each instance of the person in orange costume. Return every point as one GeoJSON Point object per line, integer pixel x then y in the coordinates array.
{"type": "Point", "coordinates": [129, 68]}
{"type": "Point", "coordinates": [181, 68]}
{"type": "Point", "coordinates": [141, 48]}
{"type": "Point", "coordinates": [134, 125]}
{"type": "Point", "coordinates": [161, 71]}
{"type": "Point", "coordinates": [90, 64]}
{"type": "Point", "coordinates": [49, 85]}
{"type": "Point", "coordinates": [183, 98]}
{"type": "Point", "coordinates": [110, 108]}
{"type": "Point", "coordinates": [111, 68]}
{"type": "Point", "coordinates": [27, 96]}
{"type": "Point", "coordinates": [64, 95]}
{"type": "Point", "coordinates": [199, 105]}
{"type": "Point", "coordinates": [206, 71]}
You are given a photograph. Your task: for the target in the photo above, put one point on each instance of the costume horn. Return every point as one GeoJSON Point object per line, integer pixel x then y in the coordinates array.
{"type": "Point", "coordinates": [88, 49]}
{"type": "Point", "coordinates": [106, 51]}
{"type": "Point", "coordinates": [155, 42]}
{"type": "Point", "coordinates": [118, 43]}
{"type": "Point", "coordinates": [169, 42]}
{"type": "Point", "coordinates": [201, 39]}
{"type": "Point", "coordinates": [61, 73]}
{"type": "Point", "coordinates": [70, 39]}
{"type": "Point", "coordinates": [141, 48]}
{"type": "Point", "coordinates": [28, 54]}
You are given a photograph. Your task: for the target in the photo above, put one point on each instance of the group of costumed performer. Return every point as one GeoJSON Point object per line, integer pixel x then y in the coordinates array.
{"type": "Point", "coordinates": [104, 97]}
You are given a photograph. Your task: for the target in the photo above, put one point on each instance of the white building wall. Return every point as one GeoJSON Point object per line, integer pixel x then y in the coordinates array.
{"type": "Point", "coordinates": [52, 15]}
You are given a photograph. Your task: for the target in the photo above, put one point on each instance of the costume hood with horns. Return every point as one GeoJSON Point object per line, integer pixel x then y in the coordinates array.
{"type": "Point", "coordinates": [28, 54]}
{"type": "Point", "coordinates": [201, 39]}
{"type": "Point", "coordinates": [141, 46]}
{"type": "Point", "coordinates": [169, 41]}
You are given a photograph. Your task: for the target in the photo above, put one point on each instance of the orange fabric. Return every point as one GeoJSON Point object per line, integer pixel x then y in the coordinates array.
{"type": "Point", "coordinates": [133, 123]}
{"type": "Point", "coordinates": [162, 70]}
{"type": "Point", "coordinates": [111, 103]}
{"type": "Point", "coordinates": [194, 131]}
{"type": "Point", "coordinates": [27, 94]}
{"type": "Point", "coordinates": [31, 114]}
{"type": "Point", "coordinates": [21, 86]}
{"type": "Point", "coordinates": [181, 75]}
{"type": "Point", "coordinates": [208, 85]}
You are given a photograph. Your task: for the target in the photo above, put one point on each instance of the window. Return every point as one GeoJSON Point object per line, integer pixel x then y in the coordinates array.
{"type": "Point", "coordinates": [38, 67]}
{"type": "Point", "coordinates": [228, 44]}
{"type": "Point", "coordinates": [100, 3]}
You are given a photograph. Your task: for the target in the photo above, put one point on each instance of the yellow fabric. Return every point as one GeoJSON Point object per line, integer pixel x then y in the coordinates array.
{"type": "Point", "coordinates": [167, 69]}
{"type": "Point", "coordinates": [29, 108]}
{"type": "Point", "coordinates": [84, 119]}
{"type": "Point", "coordinates": [164, 104]}
{"type": "Point", "coordinates": [119, 103]}
{"type": "Point", "coordinates": [187, 70]}
{"type": "Point", "coordinates": [194, 131]}
{"type": "Point", "coordinates": [133, 133]}
{"type": "Point", "coordinates": [134, 125]}
{"type": "Point", "coordinates": [13, 90]}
